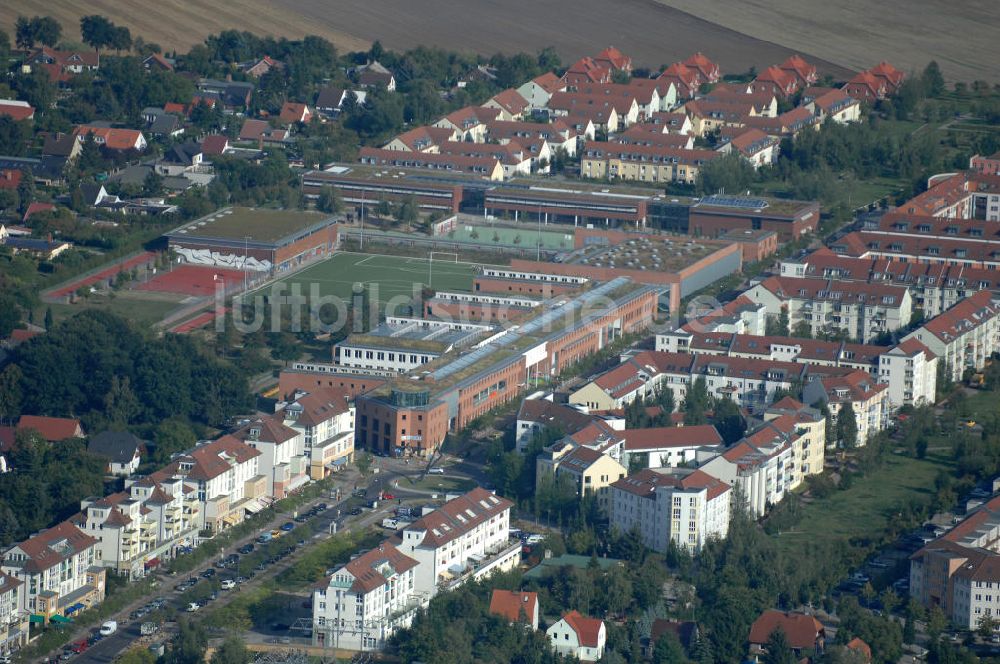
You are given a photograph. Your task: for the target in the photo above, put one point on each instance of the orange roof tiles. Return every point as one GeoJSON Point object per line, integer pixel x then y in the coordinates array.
{"type": "Point", "coordinates": [366, 568]}
{"type": "Point", "coordinates": [51, 428]}
{"type": "Point", "coordinates": [661, 437]}
{"type": "Point", "coordinates": [510, 603]}
{"type": "Point", "coordinates": [802, 630]}
{"type": "Point", "coordinates": [587, 630]}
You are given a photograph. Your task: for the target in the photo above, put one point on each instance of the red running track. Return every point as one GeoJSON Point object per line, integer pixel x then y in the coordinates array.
{"type": "Point", "coordinates": [201, 320]}
{"type": "Point", "coordinates": [193, 280]}
{"type": "Point", "coordinates": [106, 273]}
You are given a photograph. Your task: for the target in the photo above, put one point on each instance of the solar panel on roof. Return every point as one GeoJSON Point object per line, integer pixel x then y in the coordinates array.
{"type": "Point", "coordinates": [719, 200]}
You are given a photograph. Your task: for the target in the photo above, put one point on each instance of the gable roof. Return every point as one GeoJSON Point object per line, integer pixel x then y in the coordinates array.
{"type": "Point", "coordinates": [16, 110]}
{"type": "Point", "coordinates": [588, 630]}
{"type": "Point", "coordinates": [509, 603]}
{"type": "Point", "coordinates": [111, 138]}
{"type": "Point", "coordinates": [210, 460]}
{"type": "Point", "coordinates": [645, 482]}
{"type": "Point", "coordinates": [116, 446]}
{"type": "Point", "coordinates": [51, 428]}
{"type": "Point", "coordinates": [547, 413]}
{"type": "Point", "coordinates": [549, 82]}
{"type": "Point", "coordinates": [637, 440]}
{"type": "Point", "coordinates": [368, 568]}
{"type": "Point", "coordinates": [214, 144]}
{"type": "Point", "coordinates": [801, 630]}
{"type": "Point", "coordinates": [966, 315]}
{"type": "Point", "coordinates": [266, 430]}
{"type": "Point", "coordinates": [50, 547]}
{"type": "Point", "coordinates": [294, 112]}
{"type": "Point", "coordinates": [511, 101]}
{"type": "Point", "coordinates": [330, 97]}
{"type": "Point", "coordinates": [458, 516]}
{"type": "Point", "coordinates": [320, 405]}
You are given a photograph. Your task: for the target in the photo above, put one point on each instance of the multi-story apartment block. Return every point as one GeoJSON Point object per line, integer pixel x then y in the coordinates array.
{"type": "Point", "coordinates": [857, 391]}
{"type": "Point", "coordinates": [137, 528]}
{"type": "Point", "coordinates": [60, 572]}
{"type": "Point", "coordinates": [466, 538]}
{"type": "Point", "coordinates": [910, 371]}
{"type": "Point", "coordinates": [225, 475]}
{"type": "Point", "coordinates": [325, 418]}
{"type": "Point", "coordinates": [761, 473]}
{"type": "Point", "coordinates": [669, 447]}
{"type": "Point", "coordinates": [13, 618]}
{"type": "Point", "coordinates": [362, 604]}
{"type": "Point", "coordinates": [960, 572]}
{"type": "Point", "coordinates": [750, 383]}
{"type": "Point", "coordinates": [805, 427]}
{"type": "Point", "coordinates": [637, 377]}
{"type": "Point", "coordinates": [683, 507]}
{"type": "Point", "coordinates": [861, 310]}
{"type": "Point", "coordinates": [539, 413]}
{"type": "Point", "coordinates": [965, 336]}
{"type": "Point", "coordinates": [590, 470]}
{"type": "Point", "coordinates": [282, 457]}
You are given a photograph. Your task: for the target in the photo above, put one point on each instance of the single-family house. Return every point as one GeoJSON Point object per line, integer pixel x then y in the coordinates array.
{"type": "Point", "coordinates": [122, 450]}
{"type": "Point", "coordinates": [578, 637]}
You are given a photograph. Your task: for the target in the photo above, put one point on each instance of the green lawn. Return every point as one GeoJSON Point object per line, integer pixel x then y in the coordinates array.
{"type": "Point", "coordinates": [869, 505]}
{"type": "Point", "coordinates": [392, 276]}
{"type": "Point", "coordinates": [142, 311]}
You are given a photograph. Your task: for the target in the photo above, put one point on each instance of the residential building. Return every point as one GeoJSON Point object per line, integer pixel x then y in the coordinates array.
{"type": "Point", "coordinates": [805, 427]}
{"type": "Point", "coordinates": [58, 568]}
{"type": "Point", "coordinates": [590, 471]}
{"type": "Point", "coordinates": [488, 168]}
{"type": "Point", "coordinates": [669, 447]}
{"type": "Point", "coordinates": [804, 633]}
{"type": "Point", "coordinates": [614, 60]}
{"type": "Point", "coordinates": [686, 80]}
{"type": "Point", "coordinates": [469, 122]}
{"type": "Point", "coordinates": [423, 139]}
{"type": "Point", "coordinates": [510, 103]}
{"type": "Point", "coordinates": [466, 538]}
{"type": "Point", "coordinates": [52, 429]}
{"type": "Point", "coordinates": [537, 414]}
{"type": "Point", "coordinates": [294, 112]}
{"type": "Point", "coordinates": [637, 377]}
{"type": "Point", "coordinates": [986, 165]}
{"type": "Point", "coordinates": [13, 618]}
{"type": "Point", "coordinates": [16, 110]}
{"type": "Point", "coordinates": [867, 88]}
{"type": "Point", "coordinates": [325, 418]}
{"type": "Point", "coordinates": [516, 606]}
{"type": "Point", "coordinates": [374, 75]}
{"type": "Point", "coordinates": [749, 382]}
{"type": "Point", "coordinates": [781, 82]}
{"type": "Point", "coordinates": [760, 472]}
{"type": "Point", "coordinates": [681, 506]}
{"type": "Point", "coordinates": [708, 70]}
{"type": "Point", "coordinates": [61, 65]}
{"type": "Point", "coordinates": [857, 391]}
{"type": "Point", "coordinates": [578, 637]}
{"type": "Point", "coordinates": [755, 146]}
{"type": "Point", "coordinates": [119, 140]}
{"type": "Point", "coordinates": [364, 602]}
{"type": "Point", "coordinates": [837, 105]}
{"type": "Point", "coordinates": [863, 311]}
{"type": "Point", "coordinates": [804, 72]}
{"type": "Point", "coordinates": [587, 70]}
{"type": "Point", "coordinates": [643, 163]}
{"type": "Point", "coordinates": [964, 336]}
{"type": "Point", "coordinates": [282, 460]}
{"type": "Point", "coordinates": [540, 89]}
{"type": "Point", "coordinates": [910, 371]}
{"type": "Point", "coordinates": [122, 450]}
{"type": "Point", "coordinates": [960, 571]}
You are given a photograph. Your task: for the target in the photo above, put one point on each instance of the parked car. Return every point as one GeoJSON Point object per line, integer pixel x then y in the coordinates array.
{"type": "Point", "coordinates": [192, 607]}
{"type": "Point", "coordinates": [208, 574]}
{"type": "Point", "coordinates": [79, 646]}
{"type": "Point", "coordinates": [109, 628]}
{"type": "Point", "coordinates": [288, 526]}
{"type": "Point", "coordinates": [436, 471]}
{"type": "Point", "coordinates": [356, 511]}
{"type": "Point", "coordinates": [227, 584]}
{"type": "Point", "coordinates": [246, 548]}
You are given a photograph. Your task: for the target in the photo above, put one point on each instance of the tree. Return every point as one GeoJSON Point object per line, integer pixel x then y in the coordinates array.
{"type": "Point", "coordinates": [802, 330]}
{"type": "Point", "coordinates": [10, 315]}
{"type": "Point", "coordinates": [24, 36]}
{"type": "Point", "coordinates": [696, 403]}
{"type": "Point", "coordinates": [36, 30]}
{"type": "Point", "coordinates": [777, 327]}
{"type": "Point", "coordinates": [4, 46]}
{"type": "Point", "coordinates": [778, 649]}
{"type": "Point", "coordinates": [152, 184]}
{"type": "Point", "coordinates": [728, 420]}
{"type": "Point", "coordinates": [730, 173]}
{"type": "Point", "coordinates": [985, 626]}
{"type": "Point", "coordinates": [668, 650]}
{"type": "Point", "coordinates": [329, 201]}
{"type": "Point", "coordinates": [97, 31]}
{"type": "Point", "coordinates": [10, 392]}
{"type": "Point", "coordinates": [120, 403]}
{"type": "Point", "coordinates": [363, 462]}
{"type": "Point", "coordinates": [936, 622]}
{"type": "Point", "coordinates": [933, 80]}
{"type": "Point", "coordinates": [847, 426]}
{"type": "Point", "coordinates": [232, 651]}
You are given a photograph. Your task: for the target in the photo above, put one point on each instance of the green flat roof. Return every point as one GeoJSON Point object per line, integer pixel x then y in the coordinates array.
{"type": "Point", "coordinates": [260, 224]}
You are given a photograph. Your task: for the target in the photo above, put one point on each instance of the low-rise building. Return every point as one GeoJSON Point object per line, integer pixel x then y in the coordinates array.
{"type": "Point", "coordinates": [804, 633]}
{"type": "Point", "coordinates": [122, 450]}
{"type": "Point", "coordinates": [578, 637]}
{"type": "Point", "coordinates": [516, 606]}
{"type": "Point", "coordinates": [60, 572]}
{"type": "Point", "coordinates": [680, 506]}
{"type": "Point", "coordinates": [364, 602]}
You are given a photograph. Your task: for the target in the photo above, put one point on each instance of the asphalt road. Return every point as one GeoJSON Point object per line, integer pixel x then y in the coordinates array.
{"type": "Point", "coordinates": [386, 479]}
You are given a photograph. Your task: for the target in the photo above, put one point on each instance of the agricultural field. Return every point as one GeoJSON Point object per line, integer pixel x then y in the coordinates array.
{"type": "Point", "coordinates": [394, 276]}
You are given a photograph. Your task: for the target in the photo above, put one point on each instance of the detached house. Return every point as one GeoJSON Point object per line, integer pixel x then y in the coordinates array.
{"type": "Point", "coordinates": [113, 139]}
{"type": "Point", "coordinates": [510, 103]}
{"type": "Point", "coordinates": [538, 90]}
{"type": "Point", "coordinates": [516, 606]}
{"type": "Point", "coordinates": [52, 429]}
{"type": "Point", "coordinates": [708, 70]}
{"type": "Point", "coordinates": [121, 449]}
{"type": "Point", "coordinates": [58, 568]}
{"type": "Point", "coordinates": [867, 87]}
{"type": "Point", "coordinates": [374, 75]}
{"type": "Point", "coordinates": [804, 633]}
{"type": "Point", "coordinates": [578, 637]}
{"type": "Point", "coordinates": [293, 112]}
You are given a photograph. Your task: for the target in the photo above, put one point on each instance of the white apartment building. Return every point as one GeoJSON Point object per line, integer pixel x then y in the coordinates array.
{"type": "Point", "coordinates": [363, 603]}
{"type": "Point", "coordinates": [225, 475]}
{"type": "Point", "coordinates": [13, 618]}
{"type": "Point", "coordinates": [538, 412]}
{"type": "Point", "coordinates": [325, 418]}
{"type": "Point", "coordinates": [750, 383]}
{"type": "Point", "coordinates": [805, 428]}
{"type": "Point", "coordinates": [857, 391]}
{"type": "Point", "coordinates": [965, 336]}
{"type": "Point", "coordinates": [137, 528]}
{"type": "Point", "coordinates": [637, 377]}
{"type": "Point", "coordinates": [910, 372]}
{"type": "Point", "coordinates": [282, 454]}
{"type": "Point", "coordinates": [669, 447]}
{"type": "Point", "coordinates": [578, 637]}
{"type": "Point", "coordinates": [760, 474]}
{"type": "Point", "coordinates": [467, 537]}
{"type": "Point", "coordinates": [59, 569]}
{"type": "Point", "coordinates": [683, 507]}
{"type": "Point", "coordinates": [862, 310]}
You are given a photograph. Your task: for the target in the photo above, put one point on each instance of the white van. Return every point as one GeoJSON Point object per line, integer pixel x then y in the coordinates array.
{"type": "Point", "coordinates": [436, 471]}
{"type": "Point", "coordinates": [109, 628]}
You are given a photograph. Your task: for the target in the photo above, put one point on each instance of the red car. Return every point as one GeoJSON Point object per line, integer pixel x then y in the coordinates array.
{"type": "Point", "coordinates": [79, 646]}
{"type": "Point", "coordinates": [388, 496]}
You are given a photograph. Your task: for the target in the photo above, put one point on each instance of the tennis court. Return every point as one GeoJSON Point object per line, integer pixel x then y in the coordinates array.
{"type": "Point", "coordinates": [385, 276]}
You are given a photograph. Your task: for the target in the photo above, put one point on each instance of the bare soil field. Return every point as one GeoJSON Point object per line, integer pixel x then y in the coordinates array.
{"type": "Point", "coordinates": [652, 33]}
{"type": "Point", "coordinates": [963, 36]}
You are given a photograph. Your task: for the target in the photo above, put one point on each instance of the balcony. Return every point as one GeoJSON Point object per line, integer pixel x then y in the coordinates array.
{"type": "Point", "coordinates": [476, 566]}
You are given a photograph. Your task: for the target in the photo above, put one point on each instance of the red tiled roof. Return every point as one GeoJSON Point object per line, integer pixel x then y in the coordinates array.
{"type": "Point", "coordinates": [645, 482]}
{"type": "Point", "coordinates": [321, 405]}
{"type": "Point", "coordinates": [294, 112]}
{"type": "Point", "coordinates": [214, 144]}
{"type": "Point", "coordinates": [454, 519]}
{"type": "Point", "coordinates": [801, 630]}
{"type": "Point", "coordinates": [661, 437]}
{"type": "Point", "coordinates": [708, 69]}
{"type": "Point", "coordinates": [510, 603]}
{"type": "Point", "coordinates": [970, 313]}
{"type": "Point", "coordinates": [51, 428]}
{"type": "Point", "coordinates": [38, 549]}
{"type": "Point", "coordinates": [859, 384]}
{"type": "Point", "coordinates": [16, 110]}
{"type": "Point", "coordinates": [209, 461]}
{"type": "Point", "coordinates": [113, 139]}
{"type": "Point", "coordinates": [857, 644]}
{"type": "Point", "coordinates": [588, 630]}
{"type": "Point", "coordinates": [7, 437]}
{"type": "Point", "coordinates": [37, 208]}
{"type": "Point", "coordinates": [614, 58]}
{"type": "Point", "coordinates": [365, 568]}
{"type": "Point", "coordinates": [10, 178]}
{"type": "Point", "coordinates": [270, 429]}
{"type": "Point", "coordinates": [511, 101]}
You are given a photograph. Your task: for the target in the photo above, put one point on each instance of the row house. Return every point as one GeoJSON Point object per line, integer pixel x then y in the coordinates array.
{"type": "Point", "coordinates": [835, 105]}
{"type": "Point", "coordinates": [760, 474]}
{"type": "Point", "coordinates": [764, 103]}
{"type": "Point", "coordinates": [965, 336]}
{"type": "Point", "coordinates": [674, 122]}
{"type": "Point", "coordinates": [513, 158]}
{"type": "Point", "coordinates": [587, 70]}
{"type": "Point", "coordinates": [861, 310]}
{"type": "Point", "coordinates": [756, 147]}
{"type": "Point", "coordinates": [655, 95]}
{"type": "Point", "coordinates": [469, 122]}
{"type": "Point", "coordinates": [709, 71]}
{"type": "Point", "coordinates": [325, 419]}
{"type": "Point", "coordinates": [712, 115]}
{"type": "Point", "coordinates": [804, 72]}
{"type": "Point", "coordinates": [138, 528]}
{"type": "Point", "coordinates": [960, 571]}
{"type": "Point", "coordinates": [14, 620]}
{"type": "Point", "coordinates": [614, 60]}
{"type": "Point", "coordinates": [669, 447]}
{"type": "Point", "coordinates": [686, 80]}
{"type": "Point", "coordinates": [557, 134]}
{"type": "Point", "coordinates": [642, 163]}
{"type": "Point", "coordinates": [466, 538]}
{"type": "Point", "coordinates": [781, 82]}
{"type": "Point", "coordinates": [646, 96]}
{"type": "Point", "coordinates": [60, 570]}
{"type": "Point", "coordinates": [654, 135]}
{"type": "Point", "coordinates": [857, 391]}
{"type": "Point", "coordinates": [364, 602]}
{"type": "Point", "coordinates": [684, 507]}
{"type": "Point", "coordinates": [935, 288]}
{"type": "Point", "coordinates": [608, 112]}
{"type": "Point", "coordinates": [227, 481]}
{"type": "Point", "coordinates": [282, 454]}
{"type": "Point", "coordinates": [540, 89]}
{"type": "Point", "coordinates": [423, 139]}
{"type": "Point", "coordinates": [510, 104]}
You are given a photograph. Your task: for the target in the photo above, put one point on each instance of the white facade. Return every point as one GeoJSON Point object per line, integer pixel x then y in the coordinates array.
{"type": "Point", "coordinates": [965, 336]}
{"type": "Point", "coordinates": [760, 475]}
{"type": "Point", "coordinates": [13, 618]}
{"type": "Point", "coordinates": [910, 374]}
{"type": "Point", "coordinates": [570, 636]}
